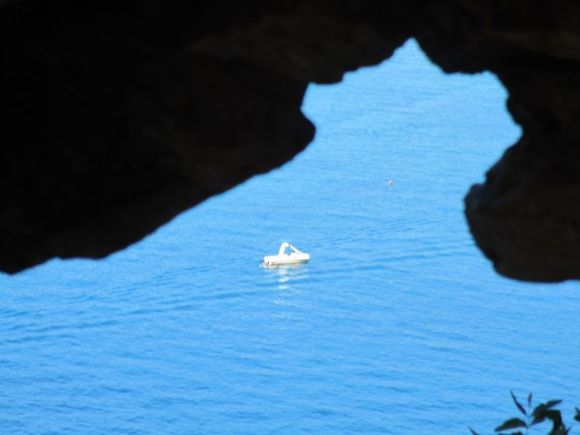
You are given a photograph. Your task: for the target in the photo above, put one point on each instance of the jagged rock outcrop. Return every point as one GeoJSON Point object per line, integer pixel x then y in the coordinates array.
{"type": "Point", "coordinates": [118, 115]}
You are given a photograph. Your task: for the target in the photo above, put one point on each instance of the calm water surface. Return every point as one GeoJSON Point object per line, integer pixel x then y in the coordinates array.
{"type": "Point", "coordinates": [398, 325]}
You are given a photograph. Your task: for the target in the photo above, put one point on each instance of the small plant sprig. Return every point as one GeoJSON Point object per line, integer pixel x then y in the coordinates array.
{"type": "Point", "coordinates": [531, 417]}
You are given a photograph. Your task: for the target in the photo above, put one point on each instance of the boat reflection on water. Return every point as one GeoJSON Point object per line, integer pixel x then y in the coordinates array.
{"type": "Point", "coordinates": [288, 274]}
{"type": "Point", "coordinates": [288, 293]}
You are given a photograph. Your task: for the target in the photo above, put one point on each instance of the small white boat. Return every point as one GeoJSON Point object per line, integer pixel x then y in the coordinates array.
{"type": "Point", "coordinates": [294, 257]}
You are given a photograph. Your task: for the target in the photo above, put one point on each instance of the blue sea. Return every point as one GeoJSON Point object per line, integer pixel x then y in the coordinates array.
{"type": "Point", "coordinates": [398, 324]}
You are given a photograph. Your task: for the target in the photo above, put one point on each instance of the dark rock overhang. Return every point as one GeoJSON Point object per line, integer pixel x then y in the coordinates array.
{"type": "Point", "coordinates": [118, 115]}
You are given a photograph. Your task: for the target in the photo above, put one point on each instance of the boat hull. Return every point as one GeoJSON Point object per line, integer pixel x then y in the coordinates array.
{"type": "Point", "coordinates": [280, 260]}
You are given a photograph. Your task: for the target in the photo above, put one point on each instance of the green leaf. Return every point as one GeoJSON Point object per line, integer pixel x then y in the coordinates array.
{"type": "Point", "coordinates": [577, 416]}
{"type": "Point", "coordinates": [529, 400]}
{"type": "Point", "coordinates": [542, 412]}
{"type": "Point", "coordinates": [512, 423]}
{"type": "Point", "coordinates": [555, 416]}
{"type": "Point", "coordinates": [552, 403]}
{"type": "Point", "coordinates": [518, 404]}
{"type": "Point", "coordinates": [538, 419]}
{"type": "Point", "coordinates": [560, 430]}
{"type": "Point", "coordinates": [539, 413]}
{"type": "Point", "coordinates": [473, 432]}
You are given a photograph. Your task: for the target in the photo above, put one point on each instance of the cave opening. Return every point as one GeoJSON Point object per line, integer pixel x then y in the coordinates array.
{"type": "Point", "coordinates": [397, 316]}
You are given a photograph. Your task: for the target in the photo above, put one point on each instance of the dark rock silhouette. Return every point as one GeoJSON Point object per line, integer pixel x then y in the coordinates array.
{"type": "Point", "coordinates": [118, 115]}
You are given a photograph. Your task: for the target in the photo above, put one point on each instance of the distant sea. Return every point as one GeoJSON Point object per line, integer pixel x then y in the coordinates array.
{"type": "Point", "coordinates": [398, 324]}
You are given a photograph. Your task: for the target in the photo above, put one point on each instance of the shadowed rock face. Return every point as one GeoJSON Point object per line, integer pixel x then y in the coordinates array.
{"type": "Point", "coordinates": [119, 115]}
